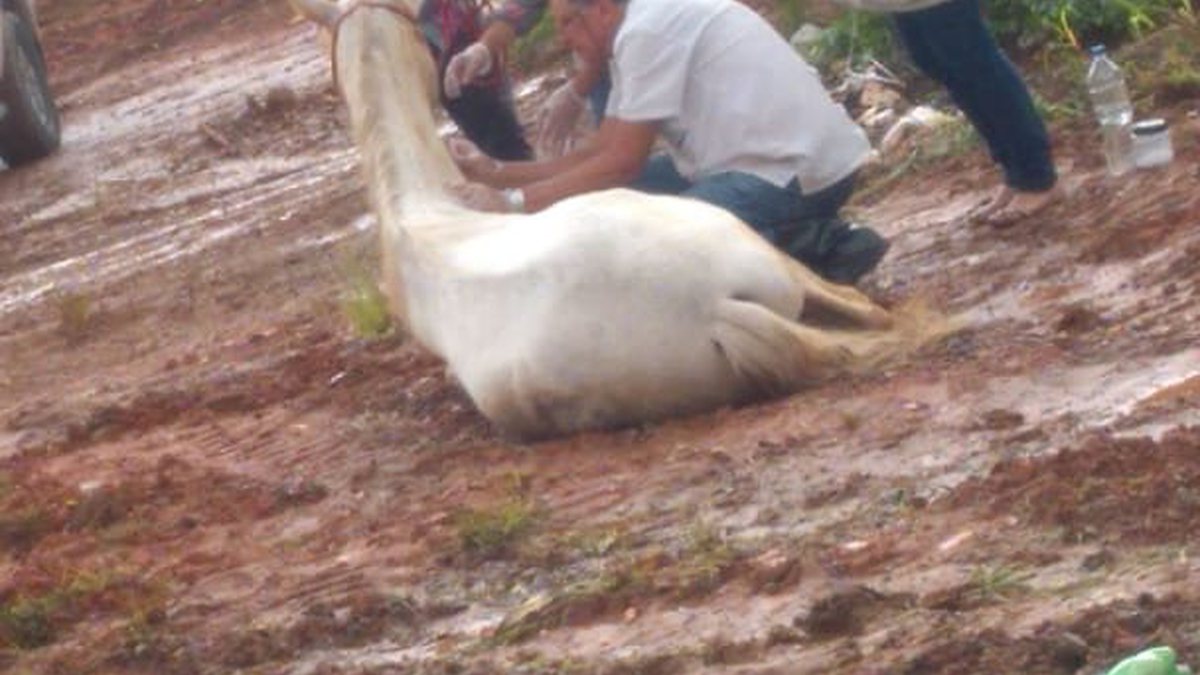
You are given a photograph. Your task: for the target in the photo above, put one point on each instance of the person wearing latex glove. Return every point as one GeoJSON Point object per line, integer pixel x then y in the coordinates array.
{"type": "Point", "coordinates": [557, 119]}
{"type": "Point", "coordinates": [469, 66]}
{"type": "Point", "coordinates": [483, 108]}
{"type": "Point", "coordinates": [768, 143]}
{"type": "Point", "coordinates": [560, 113]}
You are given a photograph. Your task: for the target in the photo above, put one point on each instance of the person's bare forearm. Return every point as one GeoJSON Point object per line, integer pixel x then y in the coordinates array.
{"type": "Point", "coordinates": [521, 174]}
{"type": "Point", "coordinates": [601, 171]}
{"type": "Point", "coordinates": [615, 157]}
{"type": "Point", "coordinates": [612, 158]}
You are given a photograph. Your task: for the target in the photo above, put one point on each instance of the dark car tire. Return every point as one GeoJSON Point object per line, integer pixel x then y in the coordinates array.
{"type": "Point", "coordinates": [31, 128]}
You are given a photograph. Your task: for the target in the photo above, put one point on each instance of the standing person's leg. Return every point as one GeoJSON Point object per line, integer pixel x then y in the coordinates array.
{"type": "Point", "coordinates": [951, 44]}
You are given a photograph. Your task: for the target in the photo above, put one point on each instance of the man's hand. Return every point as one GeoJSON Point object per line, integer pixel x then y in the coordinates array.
{"type": "Point", "coordinates": [480, 197]}
{"type": "Point", "coordinates": [467, 67]}
{"type": "Point", "coordinates": [471, 161]}
{"type": "Point", "coordinates": [557, 119]}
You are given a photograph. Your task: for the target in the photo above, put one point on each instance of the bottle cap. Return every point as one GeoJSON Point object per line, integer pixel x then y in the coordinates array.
{"type": "Point", "coordinates": [1149, 127]}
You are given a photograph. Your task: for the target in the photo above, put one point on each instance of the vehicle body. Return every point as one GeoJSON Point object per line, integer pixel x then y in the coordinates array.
{"type": "Point", "coordinates": [29, 121]}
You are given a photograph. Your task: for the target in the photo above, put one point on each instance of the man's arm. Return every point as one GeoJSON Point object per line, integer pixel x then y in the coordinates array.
{"type": "Point", "coordinates": [613, 158]}
{"type": "Point", "coordinates": [513, 18]}
{"type": "Point", "coordinates": [487, 54]}
{"type": "Point", "coordinates": [616, 157]}
{"type": "Point", "coordinates": [560, 112]}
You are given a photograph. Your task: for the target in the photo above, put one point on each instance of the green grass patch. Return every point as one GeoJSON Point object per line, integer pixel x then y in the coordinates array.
{"type": "Point", "coordinates": [578, 603]}
{"type": "Point", "coordinates": [1164, 69]}
{"type": "Point", "coordinates": [703, 563]}
{"type": "Point", "coordinates": [495, 532]}
{"type": "Point", "coordinates": [991, 584]}
{"type": "Point", "coordinates": [538, 47]}
{"type": "Point", "coordinates": [33, 620]}
{"type": "Point", "coordinates": [74, 311]}
{"type": "Point", "coordinates": [363, 303]}
{"type": "Point", "coordinates": [855, 39]}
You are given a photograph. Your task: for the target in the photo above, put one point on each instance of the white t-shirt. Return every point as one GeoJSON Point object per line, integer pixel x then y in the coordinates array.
{"type": "Point", "coordinates": [730, 94]}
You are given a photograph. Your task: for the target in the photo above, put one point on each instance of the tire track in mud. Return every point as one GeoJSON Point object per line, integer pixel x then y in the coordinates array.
{"type": "Point", "coordinates": [139, 246]}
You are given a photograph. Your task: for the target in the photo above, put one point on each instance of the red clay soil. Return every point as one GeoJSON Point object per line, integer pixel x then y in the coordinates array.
{"type": "Point", "coordinates": [205, 469]}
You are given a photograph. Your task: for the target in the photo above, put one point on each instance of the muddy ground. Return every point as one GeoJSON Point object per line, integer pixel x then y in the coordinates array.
{"type": "Point", "coordinates": [205, 469]}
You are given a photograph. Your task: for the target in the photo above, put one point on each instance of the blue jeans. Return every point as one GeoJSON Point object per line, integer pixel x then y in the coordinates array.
{"type": "Point", "coordinates": [805, 226]}
{"type": "Point", "coordinates": [952, 45]}
{"type": "Point", "coordinates": [769, 209]}
{"type": "Point", "coordinates": [598, 96]}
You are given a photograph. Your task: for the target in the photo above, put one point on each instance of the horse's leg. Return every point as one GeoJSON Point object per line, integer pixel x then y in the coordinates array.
{"type": "Point", "coordinates": [845, 301]}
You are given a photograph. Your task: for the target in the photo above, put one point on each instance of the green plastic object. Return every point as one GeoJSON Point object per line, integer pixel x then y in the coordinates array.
{"type": "Point", "coordinates": [1156, 661]}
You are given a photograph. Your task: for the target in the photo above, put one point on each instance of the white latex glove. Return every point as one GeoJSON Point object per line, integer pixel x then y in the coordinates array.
{"type": "Point", "coordinates": [467, 67]}
{"type": "Point", "coordinates": [557, 119]}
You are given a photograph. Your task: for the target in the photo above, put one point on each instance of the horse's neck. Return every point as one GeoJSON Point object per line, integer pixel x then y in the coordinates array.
{"type": "Point", "coordinates": [389, 85]}
{"type": "Point", "coordinates": [388, 82]}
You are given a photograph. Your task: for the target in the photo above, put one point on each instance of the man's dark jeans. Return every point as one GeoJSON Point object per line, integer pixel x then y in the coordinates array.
{"type": "Point", "coordinates": [805, 226]}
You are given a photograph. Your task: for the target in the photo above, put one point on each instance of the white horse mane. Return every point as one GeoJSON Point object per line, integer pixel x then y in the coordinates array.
{"type": "Point", "coordinates": [607, 309]}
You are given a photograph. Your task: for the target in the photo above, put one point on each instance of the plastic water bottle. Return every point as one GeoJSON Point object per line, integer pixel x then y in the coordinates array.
{"type": "Point", "coordinates": [1114, 112]}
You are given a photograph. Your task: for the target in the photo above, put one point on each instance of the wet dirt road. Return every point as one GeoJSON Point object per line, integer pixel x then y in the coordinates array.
{"type": "Point", "coordinates": [204, 470]}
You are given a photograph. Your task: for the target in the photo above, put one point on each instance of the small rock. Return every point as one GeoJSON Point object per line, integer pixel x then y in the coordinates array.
{"type": "Point", "coordinates": [879, 95]}
{"type": "Point", "coordinates": [805, 37]}
{"type": "Point", "coordinates": [279, 99]}
{"type": "Point", "coordinates": [953, 542]}
{"type": "Point", "coordinates": [783, 635]}
{"type": "Point", "coordinates": [1100, 559]}
{"type": "Point", "coordinates": [771, 570]}
{"type": "Point", "coordinates": [1069, 651]}
{"type": "Point", "coordinates": [1139, 622]}
{"type": "Point", "coordinates": [908, 130]}
{"type": "Point", "coordinates": [840, 613]}
{"type": "Point", "coordinates": [299, 492]}
{"type": "Point", "coordinates": [1078, 318]}
{"type": "Point", "coordinates": [999, 420]}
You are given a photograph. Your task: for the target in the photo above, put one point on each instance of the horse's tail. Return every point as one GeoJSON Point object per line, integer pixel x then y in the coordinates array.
{"type": "Point", "coordinates": [774, 355]}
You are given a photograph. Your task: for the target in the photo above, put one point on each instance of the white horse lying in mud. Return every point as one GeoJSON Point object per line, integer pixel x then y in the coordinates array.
{"type": "Point", "coordinates": [604, 310]}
